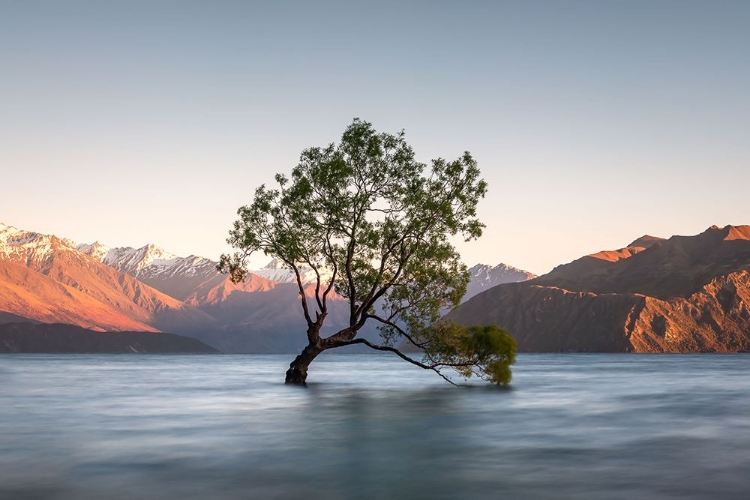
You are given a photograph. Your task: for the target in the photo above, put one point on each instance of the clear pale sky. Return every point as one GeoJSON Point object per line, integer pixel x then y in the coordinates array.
{"type": "Point", "coordinates": [593, 122]}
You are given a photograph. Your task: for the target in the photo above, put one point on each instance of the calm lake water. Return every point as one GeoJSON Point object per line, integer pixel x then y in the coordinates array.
{"type": "Point", "coordinates": [371, 426]}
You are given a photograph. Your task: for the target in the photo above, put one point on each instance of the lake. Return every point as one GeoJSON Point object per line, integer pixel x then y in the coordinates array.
{"type": "Point", "coordinates": [371, 426]}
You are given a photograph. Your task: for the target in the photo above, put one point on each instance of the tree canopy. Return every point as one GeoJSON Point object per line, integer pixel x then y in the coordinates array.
{"type": "Point", "coordinates": [375, 225]}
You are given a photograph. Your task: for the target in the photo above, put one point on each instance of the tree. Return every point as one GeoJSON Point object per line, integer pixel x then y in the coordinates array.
{"type": "Point", "coordinates": [374, 226]}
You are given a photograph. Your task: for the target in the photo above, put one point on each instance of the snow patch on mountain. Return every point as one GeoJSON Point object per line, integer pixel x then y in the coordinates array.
{"type": "Point", "coordinates": [150, 261]}
{"type": "Point", "coordinates": [18, 245]}
{"type": "Point", "coordinates": [483, 277]}
{"type": "Point", "coordinates": [96, 250]}
{"type": "Point", "coordinates": [278, 271]}
{"type": "Point", "coordinates": [132, 260]}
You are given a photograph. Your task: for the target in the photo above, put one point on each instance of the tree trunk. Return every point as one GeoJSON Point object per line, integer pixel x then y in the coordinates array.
{"type": "Point", "coordinates": [297, 372]}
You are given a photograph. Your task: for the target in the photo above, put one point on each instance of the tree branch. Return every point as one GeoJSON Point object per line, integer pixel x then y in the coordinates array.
{"type": "Point", "coordinates": [398, 353]}
{"type": "Point", "coordinates": [301, 289]}
{"type": "Point", "coordinates": [400, 330]}
{"type": "Point", "coordinates": [328, 250]}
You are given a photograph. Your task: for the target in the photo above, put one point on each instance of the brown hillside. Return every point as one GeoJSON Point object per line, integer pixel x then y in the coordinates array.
{"type": "Point", "coordinates": [684, 294]}
{"type": "Point", "coordinates": [678, 266]}
{"type": "Point", "coordinates": [29, 294]}
{"type": "Point", "coordinates": [81, 290]}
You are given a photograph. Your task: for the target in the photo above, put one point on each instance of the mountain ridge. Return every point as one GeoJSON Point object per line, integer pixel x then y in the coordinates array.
{"type": "Point", "coordinates": [682, 294]}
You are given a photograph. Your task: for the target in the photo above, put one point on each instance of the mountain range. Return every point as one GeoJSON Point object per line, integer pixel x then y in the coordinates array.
{"type": "Point", "coordinates": [682, 294]}
{"type": "Point", "coordinates": [49, 279]}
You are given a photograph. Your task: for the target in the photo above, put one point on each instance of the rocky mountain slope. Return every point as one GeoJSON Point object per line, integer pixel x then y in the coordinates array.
{"type": "Point", "coordinates": [684, 294]}
{"type": "Point", "coordinates": [46, 278]}
{"type": "Point", "coordinates": [176, 276]}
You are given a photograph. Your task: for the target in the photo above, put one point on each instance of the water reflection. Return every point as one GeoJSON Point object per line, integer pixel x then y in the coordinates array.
{"type": "Point", "coordinates": [169, 427]}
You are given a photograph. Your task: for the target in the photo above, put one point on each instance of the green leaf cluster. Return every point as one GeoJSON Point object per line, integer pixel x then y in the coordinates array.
{"type": "Point", "coordinates": [482, 351]}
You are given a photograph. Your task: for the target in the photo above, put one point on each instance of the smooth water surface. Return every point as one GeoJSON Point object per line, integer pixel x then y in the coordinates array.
{"type": "Point", "coordinates": [371, 426]}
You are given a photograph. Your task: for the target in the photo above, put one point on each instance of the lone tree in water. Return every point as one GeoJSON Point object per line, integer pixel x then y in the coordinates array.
{"type": "Point", "coordinates": [373, 224]}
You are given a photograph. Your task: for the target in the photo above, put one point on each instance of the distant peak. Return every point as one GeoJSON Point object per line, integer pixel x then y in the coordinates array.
{"type": "Point", "coordinates": [275, 264]}
{"type": "Point", "coordinates": [151, 249]}
{"type": "Point", "coordinates": [151, 254]}
{"type": "Point", "coordinates": [93, 246]}
{"type": "Point", "coordinates": [501, 268]}
{"type": "Point", "coordinates": [490, 266]}
{"type": "Point", "coordinates": [13, 236]}
{"type": "Point", "coordinates": [4, 228]}
{"type": "Point", "coordinates": [646, 241]}
{"type": "Point", "coordinates": [97, 250]}
{"type": "Point", "coordinates": [480, 266]}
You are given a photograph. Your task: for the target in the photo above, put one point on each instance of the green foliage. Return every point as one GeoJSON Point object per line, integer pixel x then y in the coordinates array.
{"type": "Point", "coordinates": [375, 226]}
{"type": "Point", "coordinates": [483, 351]}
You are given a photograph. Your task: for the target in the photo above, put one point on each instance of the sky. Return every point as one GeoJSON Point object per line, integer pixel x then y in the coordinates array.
{"type": "Point", "coordinates": [593, 122]}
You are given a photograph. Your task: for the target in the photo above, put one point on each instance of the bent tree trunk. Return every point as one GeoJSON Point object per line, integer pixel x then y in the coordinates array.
{"type": "Point", "coordinates": [297, 372]}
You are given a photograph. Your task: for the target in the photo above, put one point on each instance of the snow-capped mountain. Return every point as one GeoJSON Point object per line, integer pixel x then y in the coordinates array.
{"type": "Point", "coordinates": [277, 271]}
{"type": "Point", "coordinates": [149, 261]}
{"type": "Point", "coordinates": [29, 247]}
{"type": "Point", "coordinates": [191, 279]}
{"type": "Point", "coordinates": [484, 277]}
{"type": "Point", "coordinates": [168, 273]}
{"type": "Point", "coordinates": [160, 269]}
{"type": "Point", "coordinates": [46, 278]}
